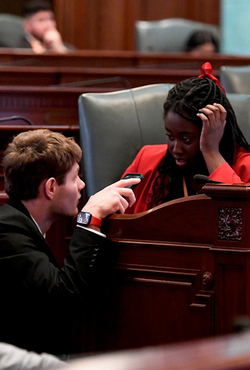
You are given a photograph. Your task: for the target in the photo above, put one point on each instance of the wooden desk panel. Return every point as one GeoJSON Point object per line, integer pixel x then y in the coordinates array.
{"type": "Point", "coordinates": [20, 67]}
{"type": "Point", "coordinates": [135, 76]}
{"type": "Point", "coordinates": [45, 105]}
{"type": "Point", "coordinates": [178, 272]}
{"type": "Point", "coordinates": [41, 105]}
{"type": "Point", "coordinates": [115, 58]}
{"type": "Point", "coordinates": [78, 58]}
{"type": "Point", "coordinates": [230, 352]}
{"type": "Point", "coordinates": [48, 76]}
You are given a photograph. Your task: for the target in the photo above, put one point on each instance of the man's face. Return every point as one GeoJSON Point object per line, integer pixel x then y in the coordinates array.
{"type": "Point", "coordinates": [67, 196]}
{"type": "Point", "coordinates": [38, 24]}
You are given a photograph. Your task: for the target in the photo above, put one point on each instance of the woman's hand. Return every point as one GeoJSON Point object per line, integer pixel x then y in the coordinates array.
{"type": "Point", "coordinates": [214, 121]}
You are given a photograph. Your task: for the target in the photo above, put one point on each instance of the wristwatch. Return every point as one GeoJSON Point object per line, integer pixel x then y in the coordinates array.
{"type": "Point", "coordinates": [86, 219]}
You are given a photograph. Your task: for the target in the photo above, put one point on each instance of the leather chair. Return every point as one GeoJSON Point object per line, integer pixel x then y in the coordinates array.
{"type": "Point", "coordinates": [168, 35]}
{"type": "Point", "coordinates": [12, 34]}
{"type": "Point", "coordinates": [113, 128]}
{"type": "Point", "coordinates": [241, 106]}
{"type": "Point", "coordinates": [235, 79]}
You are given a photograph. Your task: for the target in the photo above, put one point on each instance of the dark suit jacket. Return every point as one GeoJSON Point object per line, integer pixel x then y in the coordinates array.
{"type": "Point", "coordinates": [40, 301]}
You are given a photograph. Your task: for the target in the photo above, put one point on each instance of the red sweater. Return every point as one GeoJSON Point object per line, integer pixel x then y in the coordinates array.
{"type": "Point", "coordinates": [149, 158]}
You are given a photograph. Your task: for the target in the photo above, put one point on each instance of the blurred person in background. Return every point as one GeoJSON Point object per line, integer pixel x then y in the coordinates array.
{"type": "Point", "coordinates": [40, 27]}
{"type": "Point", "coordinates": [202, 42]}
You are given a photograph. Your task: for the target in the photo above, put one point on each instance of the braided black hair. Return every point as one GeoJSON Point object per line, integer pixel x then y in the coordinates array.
{"type": "Point", "coordinates": [186, 98]}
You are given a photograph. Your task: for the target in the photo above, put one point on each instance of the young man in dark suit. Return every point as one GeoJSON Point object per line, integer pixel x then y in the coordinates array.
{"type": "Point", "coordinates": [39, 299]}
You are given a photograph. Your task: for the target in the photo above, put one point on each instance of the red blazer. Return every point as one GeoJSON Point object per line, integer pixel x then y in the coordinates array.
{"type": "Point", "coordinates": [150, 156]}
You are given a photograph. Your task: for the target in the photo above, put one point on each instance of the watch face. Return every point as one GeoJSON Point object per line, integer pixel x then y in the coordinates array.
{"type": "Point", "coordinates": [84, 218]}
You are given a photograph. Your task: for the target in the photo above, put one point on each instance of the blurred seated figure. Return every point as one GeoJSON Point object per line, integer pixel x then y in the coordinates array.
{"type": "Point", "coordinates": [202, 42]}
{"type": "Point", "coordinates": [40, 26]}
{"type": "Point", "coordinates": [169, 35]}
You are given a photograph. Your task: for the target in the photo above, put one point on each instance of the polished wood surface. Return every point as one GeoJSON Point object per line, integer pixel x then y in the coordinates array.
{"type": "Point", "coordinates": [116, 59]}
{"type": "Point", "coordinates": [87, 68]}
{"type": "Point", "coordinates": [178, 272]}
{"type": "Point", "coordinates": [53, 76]}
{"type": "Point", "coordinates": [231, 352]}
{"type": "Point", "coordinates": [77, 58]}
{"type": "Point", "coordinates": [44, 105]}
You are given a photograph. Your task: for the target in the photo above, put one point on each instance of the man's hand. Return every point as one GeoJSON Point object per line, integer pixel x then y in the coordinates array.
{"type": "Point", "coordinates": [114, 198]}
{"type": "Point", "coordinates": [53, 41]}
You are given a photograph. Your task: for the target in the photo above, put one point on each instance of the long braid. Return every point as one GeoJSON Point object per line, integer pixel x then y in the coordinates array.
{"type": "Point", "coordinates": [186, 98]}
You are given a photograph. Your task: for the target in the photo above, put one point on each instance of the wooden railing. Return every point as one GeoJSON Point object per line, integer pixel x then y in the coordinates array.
{"type": "Point", "coordinates": [116, 59]}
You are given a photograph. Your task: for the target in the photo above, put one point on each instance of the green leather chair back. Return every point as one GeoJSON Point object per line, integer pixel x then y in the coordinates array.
{"type": "Point", "coordinates": [12, 34]}
{"type": "Point", "coordinates": [241, 106]}
{"type": "Point", "coordinates": [235, 79]}
{"type": "Point", "coordinates": [113, 128]}
{"type": "Point", "coordinates": [168, 35]}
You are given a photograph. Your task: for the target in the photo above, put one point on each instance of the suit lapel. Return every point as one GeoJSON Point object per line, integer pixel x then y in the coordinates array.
{"type": "Point", "coordinates": [41, 241]}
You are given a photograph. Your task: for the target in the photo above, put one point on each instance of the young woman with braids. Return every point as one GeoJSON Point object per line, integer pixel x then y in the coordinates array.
{"type": "Point", "coordinates": [203, 137]}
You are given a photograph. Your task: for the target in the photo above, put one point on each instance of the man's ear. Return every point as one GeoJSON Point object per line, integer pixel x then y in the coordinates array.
{"type": "Point", "coordinates": [50, 187]}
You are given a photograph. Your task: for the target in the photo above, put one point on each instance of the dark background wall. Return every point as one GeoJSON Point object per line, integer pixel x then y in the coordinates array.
{"type": "Point", "coordinates": [13, 6]}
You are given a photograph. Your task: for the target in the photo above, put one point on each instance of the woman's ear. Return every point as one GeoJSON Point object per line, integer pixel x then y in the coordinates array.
{"type": "Point", "coordinates": [50, 187]}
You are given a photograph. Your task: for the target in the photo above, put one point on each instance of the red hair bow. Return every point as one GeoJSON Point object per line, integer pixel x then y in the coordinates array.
{"type": "Point", "coordinates": [206, 70]}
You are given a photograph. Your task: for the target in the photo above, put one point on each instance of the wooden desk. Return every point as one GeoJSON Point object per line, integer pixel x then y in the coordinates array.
{"type": "Point", "coordinates": [41, 105]}
{"type": "Point", "coordinates": [115, 58]}
{"type": "Point", "coordinates": [179, 272]}
{"type": "Point", "coordinates": [135, 76]}
{"type": "Point", "coordinates": [224, 353]}
{"type": "Point", "coordinates": [55, 76]}
{"type": "Point", "coordinates": [45, 105]}
{"type": "Point", "coordinates": [20, 67]}
{"type": "Point", "coordinates": [46, 76]}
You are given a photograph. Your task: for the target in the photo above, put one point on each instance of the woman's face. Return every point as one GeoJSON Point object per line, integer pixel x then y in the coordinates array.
{"type": "Point", "coordinates": [183, 139]}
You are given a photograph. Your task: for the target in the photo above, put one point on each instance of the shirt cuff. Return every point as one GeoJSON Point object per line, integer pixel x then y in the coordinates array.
{"type": "Point", "coordinates": [91, 230]}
